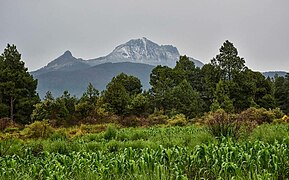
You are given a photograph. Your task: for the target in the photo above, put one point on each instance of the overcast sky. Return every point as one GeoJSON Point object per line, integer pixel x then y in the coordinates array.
{"type": "Point", "coordinates": [43, 29]}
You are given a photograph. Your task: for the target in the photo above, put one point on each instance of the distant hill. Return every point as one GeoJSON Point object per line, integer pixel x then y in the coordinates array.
{"type": "Point", "coordinates": [65, 62]}
{"type": "Point", "coordinates": [272, 74]}
{"type": "Point", "coordinates": [136, 57]}
{"type": "Point", "coordinates": [76, 81]}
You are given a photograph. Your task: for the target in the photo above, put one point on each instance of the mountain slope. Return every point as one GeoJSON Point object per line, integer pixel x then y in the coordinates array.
{"type": "Point", "coordinates": [65, 62]}
{"type": "Point", "coordinates": [76, 81]}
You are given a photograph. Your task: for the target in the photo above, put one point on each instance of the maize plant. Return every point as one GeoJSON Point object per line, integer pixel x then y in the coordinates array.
{"type": "Point", "coordinates": [224, 160]}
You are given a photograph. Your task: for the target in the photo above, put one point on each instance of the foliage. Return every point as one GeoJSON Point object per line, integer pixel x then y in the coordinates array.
{"type": "Point", "coordinates": [228, 61]}
{"type": "Point", "coordinates": [17, 87]}
{"type": "Point", "coordinates": [221, 124]}
{"type": "Point", "coordinates": [38, 130]}
{"type": "Point", "coordinates": [131, 84]}
{"type": "Point", "coordinates": [260, 115]}
{"type": "Point", "coordinates": [157, 117]}
{"type": "Point", "coordinates": [178, 120]}
{"type": "Point", "coordinates": [110, 133]}
{"type": "Point", "coordinates": [186, 100]}
{"type": "Point", "coordinates": [221, 98]}
{"type": "Point", "coordinates": [282, 93]}
{"type": "Point", "coordinates": [139, 105]}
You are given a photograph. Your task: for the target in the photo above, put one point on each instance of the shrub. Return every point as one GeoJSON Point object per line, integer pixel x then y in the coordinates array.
{"type": "Point", "coordinates": [222, 124]}
{"type": "Point", "coordinates": [139, 134]}
{"type": "Point", "coordinates": [93, 146]}
{"type": "Point", "coordinates": [130, 121]}
{"type": "Point", "coordinates": [278, 113]}
{"type": "Point", "coordinates": [5, 123]}
{"type": "Point", "coordinates": [157, 118]}
{"type": "Point", "coordinates": [89, 128]}
{"type": "Point", "coordinates": [38, 129]}
{"type": "Point", "coordinates": [11, 130]}
{"type": "Point", "coordinates": [260, 115]}
{"type": "Point", "coordinates": [113, 146]}
{"type": "Point", "coordinates": [178, 120]}
{"type": "Point", "coordinates": [110, 132]}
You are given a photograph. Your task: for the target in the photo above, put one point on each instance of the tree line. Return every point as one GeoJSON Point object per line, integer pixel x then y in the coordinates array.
{"type": "Point", "coordinates": [224, 83]}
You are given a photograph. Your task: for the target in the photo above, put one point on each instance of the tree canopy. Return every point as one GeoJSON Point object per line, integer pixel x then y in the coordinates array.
{"type": "Point", "coordinates": [17, 87]}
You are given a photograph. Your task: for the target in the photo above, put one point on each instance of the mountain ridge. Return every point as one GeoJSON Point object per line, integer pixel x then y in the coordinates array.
{"type": "Point", "coordinates": [140, 50]}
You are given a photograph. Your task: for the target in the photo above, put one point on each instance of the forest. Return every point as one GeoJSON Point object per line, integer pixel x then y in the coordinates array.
{"type": "Point", "coordinates": [222, 120]}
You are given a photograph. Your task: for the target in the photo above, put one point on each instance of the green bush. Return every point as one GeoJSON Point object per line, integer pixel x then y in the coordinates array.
{"type": "Point", "coordinates": [110, 133]}
{"type": "Point", "coordinates": [221, 124]}
{"type": "Point", "coordinates": [157, 118]}
{"type": "Point", "coordinates": [178, 120]}
{"type": "Point", "coordinates": [38, 129]}
{"type": "Point", "coordinates": [259, 115]}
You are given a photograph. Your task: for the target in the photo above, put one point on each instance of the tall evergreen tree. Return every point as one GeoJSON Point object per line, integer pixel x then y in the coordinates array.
{"type": "Point", "coordinates": [17, 87]}
{"type": "Point", "coordinates": [228, 61]}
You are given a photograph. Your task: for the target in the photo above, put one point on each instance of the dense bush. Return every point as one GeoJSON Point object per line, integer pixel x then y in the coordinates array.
{"type": "Point", "coordinates": [178, 120]}
{"type": "Point", "coordinates": [110, 133]}
{"type": "Point", "coordinates": [38, 129]}
{"type": "Point", "coordinates": [260, 115]}
{"type": "Point", "coordinates": [222, 124]}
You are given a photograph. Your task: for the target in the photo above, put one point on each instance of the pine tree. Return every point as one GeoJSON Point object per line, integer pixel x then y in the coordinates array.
{"type": "Point", "coordinates": [17, 87]}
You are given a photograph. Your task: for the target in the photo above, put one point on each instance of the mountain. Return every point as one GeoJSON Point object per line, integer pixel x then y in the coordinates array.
{"type": "Point", "coordinates": [272, 74]}
{"type": "Point", "coordinates": [136, 51]}
{"type": "Point", "coordinates": [136, 57]}
{"type": "Point", "coordinates": [100, 75]}
{"type": "Point", "coordinates": [143, 51]}
{"type": "Point", "coordinates": [65, 62]}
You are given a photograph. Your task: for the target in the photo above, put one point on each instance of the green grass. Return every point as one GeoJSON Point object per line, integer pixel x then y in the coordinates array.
{"type": "Point", "coordinates": [188, 152]}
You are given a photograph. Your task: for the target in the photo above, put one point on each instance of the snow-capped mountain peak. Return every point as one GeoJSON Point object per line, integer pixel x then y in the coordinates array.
{"type": "Point", "coordinates": [144, 51]}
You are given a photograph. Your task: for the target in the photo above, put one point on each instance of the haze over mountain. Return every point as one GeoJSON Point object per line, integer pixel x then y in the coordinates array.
{"type": "Point", "coordinates": [136, 57]}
